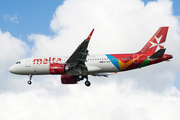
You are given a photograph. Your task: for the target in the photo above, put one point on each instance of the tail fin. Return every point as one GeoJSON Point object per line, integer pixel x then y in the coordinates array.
{"type": "Point", "coordinates": [156, 42]}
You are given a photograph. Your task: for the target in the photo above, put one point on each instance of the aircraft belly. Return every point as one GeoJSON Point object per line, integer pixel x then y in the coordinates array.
{"type": "Point", "coordinates": [41, 69]}
{"type": "Point", "coordinates": [37, 69]}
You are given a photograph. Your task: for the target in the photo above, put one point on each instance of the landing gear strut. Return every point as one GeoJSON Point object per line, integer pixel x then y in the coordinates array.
{"type": "Point", "coordinates": [81, 77]}
{"type": "Point", "coordinates": [87, 83]}
{"type": "Point", "coordinates": [29, 81]}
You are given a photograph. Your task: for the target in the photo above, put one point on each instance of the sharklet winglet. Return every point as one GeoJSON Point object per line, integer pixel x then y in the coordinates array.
{"type": "Point", "coordinates": [90, 35]}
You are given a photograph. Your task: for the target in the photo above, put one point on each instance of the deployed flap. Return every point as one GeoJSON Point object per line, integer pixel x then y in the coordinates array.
{"type": "Point", "coordinates": [80, 54]}
{"type": "Point", "coordinates": [102, 74]}
{"type": "Point", "coordinates": [158, 54]}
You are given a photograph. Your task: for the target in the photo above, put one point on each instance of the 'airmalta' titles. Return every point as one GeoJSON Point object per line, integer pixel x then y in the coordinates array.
{"type": "Point", "coordinates": [46, 60]}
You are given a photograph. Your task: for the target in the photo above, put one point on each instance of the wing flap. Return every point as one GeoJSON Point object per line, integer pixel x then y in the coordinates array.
{"type": "Point", "coordinates": [102, 74]}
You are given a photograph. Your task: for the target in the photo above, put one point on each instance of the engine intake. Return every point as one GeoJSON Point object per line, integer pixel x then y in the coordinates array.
{"type": "Point", "coordinates": [57, 68]}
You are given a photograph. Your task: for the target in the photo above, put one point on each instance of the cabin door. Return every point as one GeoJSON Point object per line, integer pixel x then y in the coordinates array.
{"type": "Point", "coordinates": [27, 64]}
{"type": "Point", "coordinates": [135, 58]}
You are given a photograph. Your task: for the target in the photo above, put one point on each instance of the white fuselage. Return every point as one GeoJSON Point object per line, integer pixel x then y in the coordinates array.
{"type": "Point", "coordinates": [41, 66]}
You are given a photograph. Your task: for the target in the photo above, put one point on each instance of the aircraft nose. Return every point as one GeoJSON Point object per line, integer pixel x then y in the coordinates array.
{"type": "Point", "coordinates": [12, 69]}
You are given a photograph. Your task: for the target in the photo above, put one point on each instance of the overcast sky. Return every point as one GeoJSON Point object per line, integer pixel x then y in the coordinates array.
{"type": "Point", "coordinates": [55, 28]}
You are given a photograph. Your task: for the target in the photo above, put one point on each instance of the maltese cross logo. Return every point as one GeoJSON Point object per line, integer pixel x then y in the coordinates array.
{"type": "Point", "coordinates": [157, 43]}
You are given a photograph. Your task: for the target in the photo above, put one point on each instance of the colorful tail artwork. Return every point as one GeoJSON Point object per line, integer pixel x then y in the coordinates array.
{"type": "Point", "coordinates": [151, 53]}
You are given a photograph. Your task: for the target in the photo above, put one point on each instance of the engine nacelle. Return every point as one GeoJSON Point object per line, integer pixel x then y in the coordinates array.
{"type": "Point", "coordinates": [66, 79]}
{"type": "Point", "coordinates": [57, 68]}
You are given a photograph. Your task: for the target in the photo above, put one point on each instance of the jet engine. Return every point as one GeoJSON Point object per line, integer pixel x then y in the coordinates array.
{"type": "Point", "coordinates": [57, 68]}
{"type": "Point", "coordinates": [66, 79]}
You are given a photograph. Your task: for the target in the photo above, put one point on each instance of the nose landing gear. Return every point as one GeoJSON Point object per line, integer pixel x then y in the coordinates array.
{"type": "Point", "coordinates": [29, 81]}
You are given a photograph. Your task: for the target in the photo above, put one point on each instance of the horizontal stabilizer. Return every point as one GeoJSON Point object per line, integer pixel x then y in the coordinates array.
{"type": "Point", "coordinates": [158, 54]}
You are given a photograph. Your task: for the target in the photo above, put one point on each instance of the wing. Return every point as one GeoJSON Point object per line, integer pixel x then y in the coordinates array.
{"type": "Point", "coordinates": [78, 58]}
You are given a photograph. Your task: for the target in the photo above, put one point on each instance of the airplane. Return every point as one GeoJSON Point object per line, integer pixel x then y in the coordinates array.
{"type": "Point", "coordinates": [80, 64]}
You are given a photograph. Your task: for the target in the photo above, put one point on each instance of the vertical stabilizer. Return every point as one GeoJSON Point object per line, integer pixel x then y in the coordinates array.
{"type": "Point", "coordinates": [156, 42]}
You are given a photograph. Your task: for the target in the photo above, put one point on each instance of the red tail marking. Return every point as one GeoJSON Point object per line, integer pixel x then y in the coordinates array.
{"type": "Point", "coordinates": [156, 41]}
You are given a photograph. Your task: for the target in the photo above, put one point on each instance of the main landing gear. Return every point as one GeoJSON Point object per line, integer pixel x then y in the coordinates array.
{"type": "Point", "coordinates": [81, 77]}
{"type": "Point", "coordinates": [29, 81]}
{"type": "Point", "coordinates": [87, 83]}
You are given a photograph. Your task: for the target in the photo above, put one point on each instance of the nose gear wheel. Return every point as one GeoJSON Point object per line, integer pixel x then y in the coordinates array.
{"type": "Point", "coordinates": [29, 81]}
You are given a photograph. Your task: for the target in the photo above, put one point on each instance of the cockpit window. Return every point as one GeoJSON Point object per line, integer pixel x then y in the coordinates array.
{"type": "Point", "coordinates": [18, 62]}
